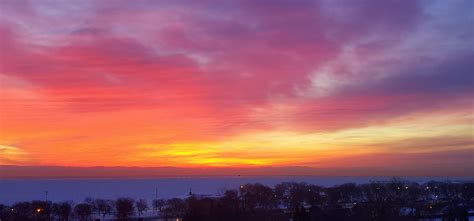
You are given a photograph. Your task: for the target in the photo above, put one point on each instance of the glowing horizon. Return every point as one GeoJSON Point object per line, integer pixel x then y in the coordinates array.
{"type": "Point", "coordinates": [319, 84]}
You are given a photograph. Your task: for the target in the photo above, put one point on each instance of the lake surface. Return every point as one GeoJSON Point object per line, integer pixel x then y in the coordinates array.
{"type": "Point", "coordinates": [14, 190]}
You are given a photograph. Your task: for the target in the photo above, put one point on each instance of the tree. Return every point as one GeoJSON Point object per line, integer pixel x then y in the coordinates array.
{"type": "Point", "coordinates": [467, 193]}
{"type": "Point", "coordinates": [142, 206]}
{"type": "Point", "coordinates": [293, 195]}
{"type": "Point", "coordinates": [83, 211]}
{"type": "Point", "coordinates": [230, 201]}
{"type": "Point", "coordinates": [62, 210]}
{"type": "Point", "coordinates": [42, 210]}
{"type": "Point", "coordinates": [103, 207]}
{"type": "Point", "coordinates": [380, 201]}
{"type": "Point", "coordinates": [175, 207]}
{"type": "Point", "coordinates": [201, 209]}
{"type": "Point", "coordinates": [257, 196]}
{"type": "Point", "coordinates": [159, 205]}
{"type": "Point", "coordinates": [348, 192]}
{"type": "Point", "coordinates": [124, 208]}
{"type": "Point", "coordinates": [4, 212]}
{"type": "Point", "coordinates": [22, 211]}
{"type": "Point", "coordinates": [313, 195]}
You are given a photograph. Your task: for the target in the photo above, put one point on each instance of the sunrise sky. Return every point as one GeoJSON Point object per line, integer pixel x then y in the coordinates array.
{"type": "Point", "coordinates": [198, 84]}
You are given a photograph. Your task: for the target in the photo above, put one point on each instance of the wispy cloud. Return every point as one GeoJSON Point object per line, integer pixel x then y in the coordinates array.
{"type": "Point", "coordinates": [13, 156]}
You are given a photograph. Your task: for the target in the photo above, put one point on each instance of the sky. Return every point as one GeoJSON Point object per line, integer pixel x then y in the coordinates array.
{"type": "Point", "coordinates": [325, 85]}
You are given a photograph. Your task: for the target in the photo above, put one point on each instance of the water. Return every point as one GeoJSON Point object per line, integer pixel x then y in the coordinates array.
{"type": "Point", "coordinates": [14, 190]}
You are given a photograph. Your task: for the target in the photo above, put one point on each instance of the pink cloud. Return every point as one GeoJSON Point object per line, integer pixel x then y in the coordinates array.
{"type": "Point", "coordinates": [215, 64]}
{"type": "Point", "coordinates": [255, 52]}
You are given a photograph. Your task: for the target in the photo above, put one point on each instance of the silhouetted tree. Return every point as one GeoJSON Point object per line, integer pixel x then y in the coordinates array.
{"type": "Point", "coordinates": [467, 193]}
{"type": "Point", "coordinates": [42, 210]}
{"type": "Point", "coordinates": [83, 211]}
{"type": "Point", "coordinates": [380, 201]}
{"type": "Point", "coordinates": [22, 211]}
{"type": "Point", "coordinates": [201, 209]}
{"type": "Point", "coordinates": [175, 207]}
{"type": "Point", "coordinates": [230, 202]}
{"type": "Point", "coordinates": [4, 212]}
{"type": "Point", "coordinates": [313, 195]}
{"type": "Point", "coordinates": [159, 205]}
{"type": "Point", "coordinates": [255, 196]}
{"type": "Point", "coordinates": [62, 210]}
{"type": "Point", "coordinates": [124, 208]}
{"type": "Point", "coordinates": [103, 207]}
{"type": "Point", "coordinates": [142, 206]}
{"type": "Point", "coordinates": [293, 195]}
{"type": "Point", "coordinates": [348, 193]}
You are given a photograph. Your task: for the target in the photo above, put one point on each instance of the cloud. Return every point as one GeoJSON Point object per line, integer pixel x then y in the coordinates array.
{"type": "Point", "coordinates": [178, 72]}
{"type": "Point", "coordinates": [12, 155]}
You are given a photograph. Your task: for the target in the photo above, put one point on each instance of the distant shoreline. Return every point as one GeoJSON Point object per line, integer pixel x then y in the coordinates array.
{"type": "Point", "coordinates": [375, 178]}
{"type": "Point", "coordinates": [60, 172]}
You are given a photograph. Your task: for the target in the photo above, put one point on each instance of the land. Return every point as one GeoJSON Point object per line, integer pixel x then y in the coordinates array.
{"type": "Point", "coordinates": [396, 199]}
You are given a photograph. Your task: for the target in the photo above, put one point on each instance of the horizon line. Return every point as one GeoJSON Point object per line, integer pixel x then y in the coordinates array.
{"type": "Point", "coordinates": [134, 172]}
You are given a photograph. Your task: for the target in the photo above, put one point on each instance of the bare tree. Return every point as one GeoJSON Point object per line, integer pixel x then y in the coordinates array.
{"type": "Point", "coordinates": [142, 206]}
{"type": "Point", "coordinates": [62, 210]}
{"type": "Point", "coordinates": [124, 208]}
{"type": "Point", "coordinates": [258, 196]}
{"type": "Point", "coordinates": [174, 208]}
{"type": "Point", "coordinates": [103, 207]}
{"type": "Point", "coordinates": [22, 211]}
{"type": "Point", "coordinates": [83, 211]}
{"type": "Point", "coordinates": [159, 205]}
{"type": "Point", "coordinates": [293, 194]}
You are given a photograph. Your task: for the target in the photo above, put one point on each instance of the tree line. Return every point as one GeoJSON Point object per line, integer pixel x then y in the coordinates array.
{"type": "Point", "coordinates": [376, 201]}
